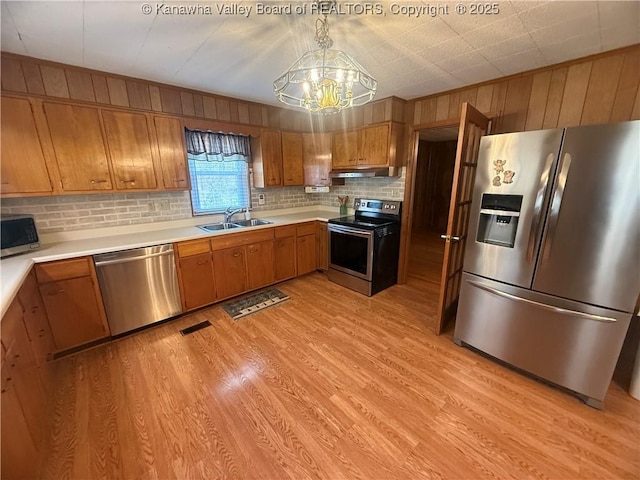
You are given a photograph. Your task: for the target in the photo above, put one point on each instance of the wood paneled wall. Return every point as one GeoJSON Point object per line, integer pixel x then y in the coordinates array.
{"type": "Point", "coordinates": [601, 88]}
{"type": "Point", "coordinates": [26, 75]}
{"type": "Point", "coordinates": [35, 77]}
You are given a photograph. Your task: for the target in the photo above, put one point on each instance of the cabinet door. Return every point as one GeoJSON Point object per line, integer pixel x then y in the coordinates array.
{"type": "Point", "coordinates": [198, 285]}
{"type": "Point", "coordinates": [344, 149]}
{"type": "Point", "coordinates": [173, 152]}
{"type": "Point", "coordinates": [35, 319]}
{"type": "Point", "coordinates": [23, 168]}
{"type": "Point", "coordinates": [230, 271]}
{"type": "Point", "coordinates": [79, 147]}
{"type": "Point", "coordinates": [323, 246]}
{"type": "Point", "coordinates": [260, 264]}
{"type": "Point", "coordinates": [74, 311]}
{"type": "Point", "coordinates": [306, 253]}
{"type": "Point", "coordinates": [19, 453]}
{"type": "Point", "coordinates": [130, 149]}
{"type": "Point", "coordinates": [292, 171]}
{"type": "Point", "coordinates": [374, 145]}
{"type": "Point", "coordinates": [269, 164]}
{"type": "Point", "coordinates": [285, 257]}
{"type": "Point", "coordinates": [316, 158]}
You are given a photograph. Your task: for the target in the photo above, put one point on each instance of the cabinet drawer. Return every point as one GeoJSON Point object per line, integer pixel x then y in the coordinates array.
{"type": "Point", "coordinates": [306, 229]}
{"type": "Point", "coordinates": [63, 269]}
{"type": "Point", "coordinates": [285, 231]}
{"type": "Point", "coordinates": [193, 247]}
{"type": "Point", "coordinates": [243, 238]}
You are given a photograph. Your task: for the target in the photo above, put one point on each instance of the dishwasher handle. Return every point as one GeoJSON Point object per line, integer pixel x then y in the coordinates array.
{"type": "Point", "coordinates": [132, 259]}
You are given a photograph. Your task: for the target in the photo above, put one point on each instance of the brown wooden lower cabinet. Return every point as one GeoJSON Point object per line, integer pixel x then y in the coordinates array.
{"type": "Point", "coordinates": [24, 402]}
{"type": "Point", "coordinates": [73, 303]}
{"type": "Point", "coordinates": [230, 271]}
{"type": "Point", "coordinates": [260, 264]}
{"type": "Point", "coordinates": [35, 319]}
{"type": "Point", "coordinates": [198, 283]}
{"type": "Point", "coordinates": [306, 248]}
{"type": "Point", "coordinates": [323, 246]}
{"type": "Point", "coordinates": [285, 257]}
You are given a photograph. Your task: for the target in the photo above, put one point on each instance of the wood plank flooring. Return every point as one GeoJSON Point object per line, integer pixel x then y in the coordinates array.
{"type": "Point", "coordinates": [328, 385]}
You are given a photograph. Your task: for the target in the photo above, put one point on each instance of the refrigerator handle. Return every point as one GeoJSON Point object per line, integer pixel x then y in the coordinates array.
{"type": "Point", "coordinates": [536, 224]}
{"type": "Point", "coordinates": [556, 202]}
{"type": "Point", "coordinates": [500, 293]}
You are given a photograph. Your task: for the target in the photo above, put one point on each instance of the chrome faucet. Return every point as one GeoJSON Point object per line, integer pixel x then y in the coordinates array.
{"type": "Point", "coordinates": [229, 212]}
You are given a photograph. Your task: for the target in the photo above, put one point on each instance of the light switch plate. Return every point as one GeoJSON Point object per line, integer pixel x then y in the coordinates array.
{"type": "Point", "coordinates": [261, 200]}
{"type": "Point", "coordinates": [316, 189]}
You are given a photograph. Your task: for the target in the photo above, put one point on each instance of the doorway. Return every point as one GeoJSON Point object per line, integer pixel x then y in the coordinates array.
{"type": "Point", "coordinates": [435, 164]}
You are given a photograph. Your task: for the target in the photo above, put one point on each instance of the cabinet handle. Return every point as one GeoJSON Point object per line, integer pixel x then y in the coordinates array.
{"type": "Point", "coordinates": [132, 182]}
{"type": "Point", "coordinates": [280, 244]}
{"type": "Point", "coordinates": [202, 262]}
{"type": "Point", "coordinates": [99, 181]}
{"type": "Point", "coordinates": [6, 183]}
{"type": "Point", "coordinates": [7, 385]}
{"type": "Point", "coordinates": [236, 254]}
{"type": "Point", "coordinates": [179, 180]}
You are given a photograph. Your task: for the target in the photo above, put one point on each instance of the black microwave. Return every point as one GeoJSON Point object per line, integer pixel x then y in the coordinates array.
{"type": "Point", "coordinates": [18, 234]}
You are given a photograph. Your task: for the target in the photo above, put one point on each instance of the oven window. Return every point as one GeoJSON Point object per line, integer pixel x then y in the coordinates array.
{"type": "Point", "coordinates": [350, 252]}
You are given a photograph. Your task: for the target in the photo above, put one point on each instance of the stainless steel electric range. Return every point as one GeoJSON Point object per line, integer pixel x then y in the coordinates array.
{"type": "Point", "coordinates": [364, 248]}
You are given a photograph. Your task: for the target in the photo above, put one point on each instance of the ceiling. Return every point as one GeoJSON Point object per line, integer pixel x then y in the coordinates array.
{"type": "Point", "coordinates": [240, 56]}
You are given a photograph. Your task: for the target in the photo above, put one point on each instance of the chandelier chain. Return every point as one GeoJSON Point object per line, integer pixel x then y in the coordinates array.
{"type": "Point", "coordinates": [322, 33]}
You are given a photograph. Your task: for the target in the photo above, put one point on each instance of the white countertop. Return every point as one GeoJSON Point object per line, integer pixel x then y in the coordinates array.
{"type": "Point", "coordinates": [13, 270]}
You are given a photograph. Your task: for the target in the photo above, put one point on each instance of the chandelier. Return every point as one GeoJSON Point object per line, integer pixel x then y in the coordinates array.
{"type": "Point", "coordinates": [325, 81]}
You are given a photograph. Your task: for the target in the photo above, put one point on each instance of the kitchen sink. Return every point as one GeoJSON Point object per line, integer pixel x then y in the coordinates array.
{"type": "Point", "coordinates": [254, 222]}
{"type": "Point", "coordinates": [214, 227]}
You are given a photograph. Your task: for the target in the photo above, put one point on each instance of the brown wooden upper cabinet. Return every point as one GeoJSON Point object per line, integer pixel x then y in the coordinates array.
{"type": "Point", "coordinates": [266, 153]}
{"type": "Point", "coordinates": [373, 146]}
{"type": "Point", "coordinates": [79, 148]}
{"type": "Point", "coordinates": [173, 152]}
{"type": "Point", "coordinates": [292, 170]}
{"type": "Point", "coordinates": [24, 169]}
{"type": "Point", "coordinates": [130, 150]}
{"type": "Point", "coordinates": [316, 158]}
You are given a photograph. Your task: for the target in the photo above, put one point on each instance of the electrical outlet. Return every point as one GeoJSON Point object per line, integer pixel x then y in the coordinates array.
{"type": "Point", "coordinates": [261, 199]}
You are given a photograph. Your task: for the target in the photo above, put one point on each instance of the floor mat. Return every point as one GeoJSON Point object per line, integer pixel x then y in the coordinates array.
{"type": "Point", "coordinates": [254, 303]}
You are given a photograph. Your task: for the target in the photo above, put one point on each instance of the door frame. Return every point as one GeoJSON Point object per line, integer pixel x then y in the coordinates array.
{"type": "Point", "coordinates": [409, 191]}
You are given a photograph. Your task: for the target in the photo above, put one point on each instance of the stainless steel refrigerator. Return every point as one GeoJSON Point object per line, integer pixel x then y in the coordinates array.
{"type": "Point", "coordinates": [552, 264]}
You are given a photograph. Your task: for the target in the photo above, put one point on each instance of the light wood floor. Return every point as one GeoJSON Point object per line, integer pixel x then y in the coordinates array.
{"type": "Point", "coordinates": [328, 385]}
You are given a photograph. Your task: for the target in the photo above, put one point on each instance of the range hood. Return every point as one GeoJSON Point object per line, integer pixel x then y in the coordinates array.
{"type": "Point", "coordinates": [356, 172]}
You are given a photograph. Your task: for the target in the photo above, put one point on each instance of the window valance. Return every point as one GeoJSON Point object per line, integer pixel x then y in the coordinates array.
{"type": "Point", "coordinates": [217, 146]}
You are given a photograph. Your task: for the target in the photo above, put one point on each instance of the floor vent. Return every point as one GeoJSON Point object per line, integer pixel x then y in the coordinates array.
{"type": "Point", "coordinates": [196, 327]}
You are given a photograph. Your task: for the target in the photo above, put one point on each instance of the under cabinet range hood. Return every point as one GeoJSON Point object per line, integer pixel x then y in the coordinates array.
{"type": "Point", "coordinates": [356, 172]}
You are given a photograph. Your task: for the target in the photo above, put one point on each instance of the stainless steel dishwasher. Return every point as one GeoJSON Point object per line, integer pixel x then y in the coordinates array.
{"type": "Point", "coordinates": [138, 286]}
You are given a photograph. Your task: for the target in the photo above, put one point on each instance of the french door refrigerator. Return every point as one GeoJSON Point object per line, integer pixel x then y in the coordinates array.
{"type": "Point", "coordinates": [552, 265]}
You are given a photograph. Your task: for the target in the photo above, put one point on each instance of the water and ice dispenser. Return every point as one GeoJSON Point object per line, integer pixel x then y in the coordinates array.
{"type": "Point", "coordinates": [499, 216]}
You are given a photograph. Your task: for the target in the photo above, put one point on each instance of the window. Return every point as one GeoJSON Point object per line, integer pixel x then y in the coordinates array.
{"type": "Point", "coordinates": [219, 170]}
{"type": "Point", "coordinates": [217, 185]}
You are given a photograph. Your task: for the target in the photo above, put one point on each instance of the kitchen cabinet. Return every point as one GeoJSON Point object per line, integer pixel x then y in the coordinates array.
{"type": "Point", "coordinates": [266, 153]}
{"type": "Point", "coordinates": [292, 168]}
{"type": "Point", "coordinates": [195, 273]}
{"type": "Point", "coordinates": [344, 149]}
{"type": "Point", "coordinates": [316, 159]}
{"type": "Point", "coordinates": [23, 166]}
{"type": "Point", "coordinates": [230, 271]}
{"type": "Point", "coordinates": [72, 300]}
{"type": "Point", "coordinates": [24, 405]}
{"type": "Point", "coordinates": [79, 147]}
{"type": "Point", "coordinates": [173, 152]}
{"type": "Point", "coordinates": [260, 264]}
{"type": "Point", "coordinates": [323, 245]}
{"type": "Point", "coordinates": [285, 252]}
{"type": "Point", "coordinates": [372, 146]}
{"type": "Point", "coordinates": [35, 319]}
{"type": "Point", "coordinates": [129, 144]}
{"type": "Point", "coordinates": [306, 249]}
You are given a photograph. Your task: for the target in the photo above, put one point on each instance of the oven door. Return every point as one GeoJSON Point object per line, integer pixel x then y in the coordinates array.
{"type": "Point", "coordinates": [351, 250]}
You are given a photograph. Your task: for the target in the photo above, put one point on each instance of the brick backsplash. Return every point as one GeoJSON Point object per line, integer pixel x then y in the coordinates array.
{"type": "Point", "coordinates": [81, 212]}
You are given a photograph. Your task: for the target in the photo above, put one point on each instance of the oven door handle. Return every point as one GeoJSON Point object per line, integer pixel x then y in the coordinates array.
{"type": "Point", "coordinates": [351, 231]}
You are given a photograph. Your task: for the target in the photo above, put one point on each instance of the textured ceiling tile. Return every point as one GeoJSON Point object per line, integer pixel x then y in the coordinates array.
{"type": "Point", "coordinates": [569, 48]}
{"type": "Point", "coordinates": [470, 21]}
{"type": "Point", "coordinates": [452, 48]}
{"type": "Point", "coordinates": [461, 61]}
{"type": "Point", "coordinates": [432, 32]}
{"type": "Point", "coordinates": [477, 73]}
{"type": "Point", "coordinates": [555, 12]}
{"type": "Point", "coordinates": [9, 39]}
{"type": "Point", "coordinates": [519, 62]}
{"type": "Point", "coordinates": [503, 29]}
{"type": "Point", "coordinates": [616, 37]}
{"type": "Point", "coordinates": [521, 6]}
{"type": "Point", "coordinates": [512, 46]}
{"type": "Point", "coordinates": [570, 27]}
